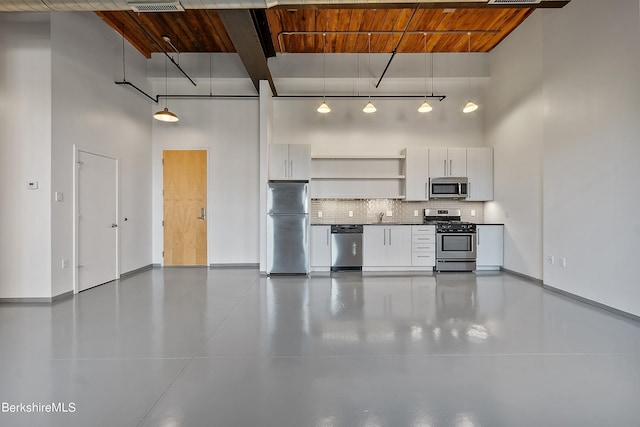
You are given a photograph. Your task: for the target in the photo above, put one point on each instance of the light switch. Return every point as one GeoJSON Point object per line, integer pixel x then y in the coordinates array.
{"type": "Point", "coordinates": [473, 212]}
{"type": "Point", "coordinates": [350, 213]}
{"type": "Point", "coordinates": [32, 185]}
{"type": "Point", "coordinates": [319, 214]}
{"type": "Point", "coordinates": [58, 196]}
{"type": "Point", "coordinates": [415, 212]}
{"type": "Point", "coordinates": [389, 213]}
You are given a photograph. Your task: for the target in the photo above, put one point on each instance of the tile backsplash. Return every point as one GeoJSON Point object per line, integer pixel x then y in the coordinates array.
{"type": "Point", "coordinates": [336, 211]}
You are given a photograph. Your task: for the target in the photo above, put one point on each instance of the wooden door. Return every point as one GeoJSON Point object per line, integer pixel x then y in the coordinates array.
{"type": "Point", "coordinates": [185, 203]}
{"type": "Point", "coordinates": [97, 220]}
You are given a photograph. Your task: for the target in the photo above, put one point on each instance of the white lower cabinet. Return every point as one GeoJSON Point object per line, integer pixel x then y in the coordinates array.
{"type": "Point", "coordinates": [320, 247]}
{"type": "Point", "coordinates": [490, 247]}
{"type": "Point", "coordinates": [386, 247]}
{"type": "Point", "coordinates": [423, 246]}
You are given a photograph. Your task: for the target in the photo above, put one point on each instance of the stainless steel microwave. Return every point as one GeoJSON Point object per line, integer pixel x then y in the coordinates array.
{"type": "Point", "coordinates": [449, 188]}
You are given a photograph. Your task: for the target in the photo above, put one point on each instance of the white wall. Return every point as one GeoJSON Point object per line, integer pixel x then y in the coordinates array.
{"type": "Point", "coordinates": [25, 154]}
{"type": "Point", "coordinates": [397, 124]}
{"type": "Point", "coordinates": [591, 150]}
{"type": "Point", "coordinates": [94, 113]}
{"type": "Point", "coordinates": [229, 129]}
{"type": "Point", "coordinates": [515, 130]}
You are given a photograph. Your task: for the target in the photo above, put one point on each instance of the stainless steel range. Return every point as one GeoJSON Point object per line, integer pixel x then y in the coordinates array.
{"type": "Point", "coordinates": [455, 240]}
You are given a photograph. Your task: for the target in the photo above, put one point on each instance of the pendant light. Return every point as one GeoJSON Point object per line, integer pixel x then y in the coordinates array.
{"type": "Point", "coordinates": [324, 108]}
{"type": "Point", "coordinates": [165, 115]}
{"type": "Point", "coordinates": [369, 108]}
{"type": "Point", "coordinates": [425, 107]}
{"type": "Point", "coordinates": [471, 106]}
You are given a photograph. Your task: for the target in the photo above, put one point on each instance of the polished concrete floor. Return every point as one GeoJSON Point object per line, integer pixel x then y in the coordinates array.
{"type": "Point", "coordinates": [228, 348]}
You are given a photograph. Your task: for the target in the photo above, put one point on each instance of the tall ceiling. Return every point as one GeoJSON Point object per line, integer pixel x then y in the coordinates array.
{"type": "Point", "coordinates": [346, 27]}
{"type": "Point", "coordinates": [300, 30]}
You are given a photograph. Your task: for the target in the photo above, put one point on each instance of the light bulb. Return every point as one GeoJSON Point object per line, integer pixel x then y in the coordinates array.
{"type": "Point", "coordinates": [470, 107]}
{"type": "Point", "coordinates": [425, 107]}
{"type": "Point", "coordinates": [324, 108]}
{"type": "Point", "coordinates": [369, 108]}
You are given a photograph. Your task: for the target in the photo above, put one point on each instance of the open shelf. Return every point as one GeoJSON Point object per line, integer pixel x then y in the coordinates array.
{"type": "Point", "coordinates": [368, 176]}
{"type": "Point", "coordinates": [356, 157]}
{"type": "Point", "coordinates": [357, 177]}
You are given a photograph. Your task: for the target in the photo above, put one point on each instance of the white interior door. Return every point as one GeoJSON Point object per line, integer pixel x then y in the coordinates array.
{"type": "Point", "coordinates": [97, 253]}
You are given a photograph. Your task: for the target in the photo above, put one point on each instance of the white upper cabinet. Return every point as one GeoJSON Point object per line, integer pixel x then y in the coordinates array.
{"type": "Point", "coordinates": [480, 173]}
{"type": "Point", "coordinates": [290, 162]}
{"type": "Point", "coordinates": [447, 162]}
{"type": "Point", "coordinates": [417, 174]}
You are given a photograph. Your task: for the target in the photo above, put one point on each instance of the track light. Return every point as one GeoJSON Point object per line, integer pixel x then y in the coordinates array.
{"type": "Point", "coordinates": [471, 106]}
{"type": "Point", "coordinates": [165, 115]}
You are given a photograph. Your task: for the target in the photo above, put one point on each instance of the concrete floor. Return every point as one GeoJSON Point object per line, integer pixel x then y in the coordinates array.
{"type": "Point", "coordinates": [198, 347]}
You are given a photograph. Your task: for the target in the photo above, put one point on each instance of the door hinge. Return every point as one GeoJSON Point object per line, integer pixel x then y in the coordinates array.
{"type": "Point", "coordinates": [162, 162]}
{"type": "Point", "coordinates": [163, 223]}
{"type": "Point", "coordinates": [162, 254]}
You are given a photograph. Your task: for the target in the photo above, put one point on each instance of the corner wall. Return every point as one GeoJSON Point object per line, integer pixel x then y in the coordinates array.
{"type": "Point", "coordinates": [95, 114]}
{"type": "Point", "coordinates": [591, 150]}
{"type": "Point", "coordinates": [25, 154]}
{"type": "Point", "coordinates": [515, 130]}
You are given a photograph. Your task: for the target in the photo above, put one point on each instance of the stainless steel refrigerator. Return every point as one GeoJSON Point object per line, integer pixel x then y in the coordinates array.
{"type": "Point", "coordinates": [288, 227]}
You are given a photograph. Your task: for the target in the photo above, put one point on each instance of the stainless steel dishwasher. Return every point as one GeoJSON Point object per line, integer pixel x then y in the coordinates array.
{"type": "Point", "coordinates": [346, 247]}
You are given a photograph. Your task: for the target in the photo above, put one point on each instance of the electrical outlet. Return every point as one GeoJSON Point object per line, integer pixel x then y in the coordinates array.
{"type": "Point", "coordinates": [389, 213]}
{"type": "Point", "coordinates": [319, 214]}
{"type": "Point", "coordinates": [415, 212]}
{"type": "Point", "coordinates": [65, 263]}
{"type": "Point", "coordinates": [59, 196]}
{"type": "Point", "coordinates": [32, 185]}
{"type": "Point", "coordinates": [473, 212]}
{"type": "Point", "coordinates": [563, 262]}
{"type": "Point", "coordinates": [350, 214]}
{"type": "Point", "coordinates": [551, 259]}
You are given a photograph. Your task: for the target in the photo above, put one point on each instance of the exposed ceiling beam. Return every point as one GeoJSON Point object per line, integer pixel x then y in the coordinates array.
{"type": "Point", "coordinates": [246, 40]}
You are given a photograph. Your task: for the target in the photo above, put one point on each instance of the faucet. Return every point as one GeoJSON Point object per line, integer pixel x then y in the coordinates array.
{"type": "Point", "coordinates": [380, 216]}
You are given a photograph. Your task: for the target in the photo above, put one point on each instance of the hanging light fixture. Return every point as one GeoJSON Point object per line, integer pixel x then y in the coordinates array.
{"type": "Point", "coordinates": [471, 106]}
{"type": "Point", "coordinates": [165, 115]}
{"type": "Point", "coordinates": [425, 107]}
{"type": "Point", "coordinates": [324, 108]}
{"type": "Point", "coordinates": [369, 108]}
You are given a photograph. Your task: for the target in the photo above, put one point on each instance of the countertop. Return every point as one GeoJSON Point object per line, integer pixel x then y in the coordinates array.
{"type": "Point", "coordinates": [396, 223]}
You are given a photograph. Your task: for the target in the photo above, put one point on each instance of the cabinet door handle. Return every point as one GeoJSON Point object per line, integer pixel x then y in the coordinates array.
{"type": "Point", "coordinates": [290, 168]}
{"type": "Point", "coordinates": [389, 237]}
{"type": "Point", "coordinates": [285, 169]}
{"type": "Point", "coordinates": [450, 167]}
{"type": "Point", "coordinates": [444, 169]}
{"type": "Point", "coordinates": [384, 230]}
{"type": "Point", "coordinates": [426, 189]}
{"type": "Point", "coordinates": [478, 239]}
{"type": "Point", "coordinates": [327, 237]}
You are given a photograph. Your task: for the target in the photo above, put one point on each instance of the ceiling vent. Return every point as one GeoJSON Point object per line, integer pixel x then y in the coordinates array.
{"type": "Point", "coordinates": [514, 1]}
{"type": "Point", "coordinates": [156, 6]}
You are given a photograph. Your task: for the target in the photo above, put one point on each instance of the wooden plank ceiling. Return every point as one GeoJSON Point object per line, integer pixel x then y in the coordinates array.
{"type": "Point", "coordinates": [488, 27]}
{"type": "Point", "coordinates": [203, 31]}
